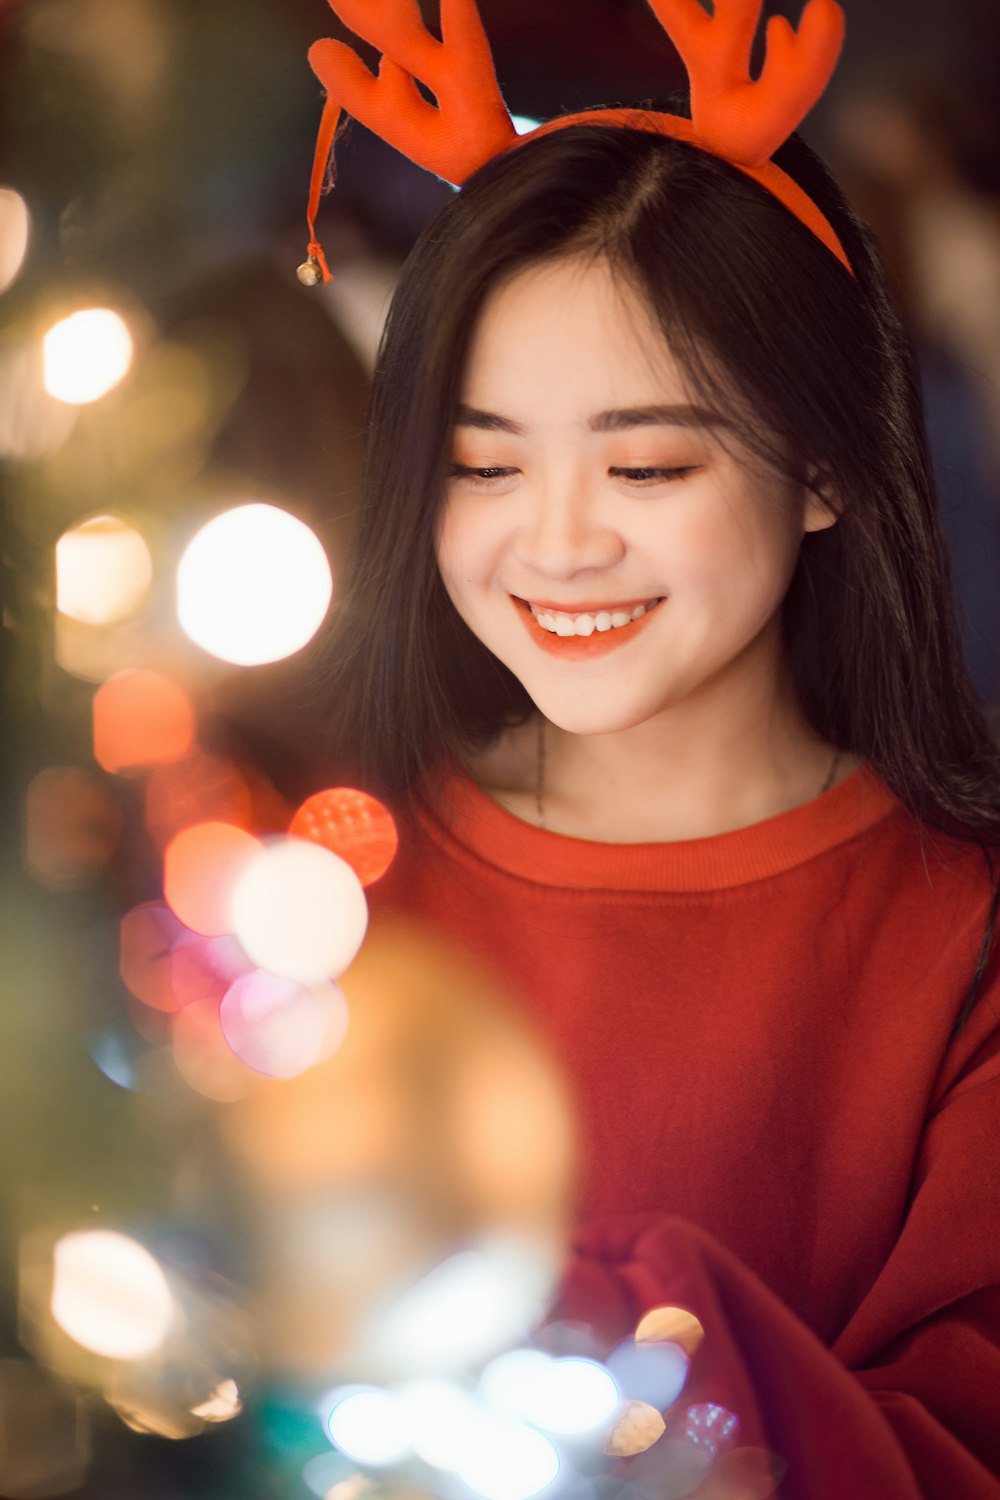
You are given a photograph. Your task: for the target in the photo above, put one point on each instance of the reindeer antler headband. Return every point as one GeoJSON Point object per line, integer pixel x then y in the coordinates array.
{"type": "Point", "coordinates": [733, 116]}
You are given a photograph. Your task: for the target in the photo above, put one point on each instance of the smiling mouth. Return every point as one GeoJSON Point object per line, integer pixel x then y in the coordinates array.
{"type": "Point", "coordinates": [585, 622]}
{"type": "Point", "coordinates": [588, 633]}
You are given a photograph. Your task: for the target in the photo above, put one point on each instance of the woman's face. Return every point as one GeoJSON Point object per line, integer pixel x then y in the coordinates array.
{"type": "Point", "coordinates": [587, 488]}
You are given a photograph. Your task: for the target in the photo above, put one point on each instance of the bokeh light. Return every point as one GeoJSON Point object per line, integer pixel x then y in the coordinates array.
{"type": "Point", "coordinates": [709, 1426]}
{"type": "Point", "coordinates": [203, 1057]}
{"type": "Point", "coordinates": [509, 1461]}
{"type": "Point", "coordinates": [103, 570]}
{"type": "Point", "coordinates": [279, 1027]}
{"type": "Point", "coordinates": [199, 788]}
{"type": "Point", "coordinates": [671, 1325]}
{"type": "Point", "coordinates": [443, 1419]}
{"type": "Point", "coordinates": [253, 586]}
{"type": "Point", "coordinates": [222, 1405]}
{"type": "Point", "coordinates": [369, 1425]}
{"type": "Point", "coordinates": [299, 911]}
{"type": "Point", "coordinates": [655, 1373]}
{"type": "Point", "coordinates": [15, 229]}
{"type": "Point", "coordinates": [567, 1396]}
{"type": "Point", "coordinates": [109, 1294]}
{"type": "Point", "coordinates": [141, 718]}
{"type": "Point", "coordinates": [463, 1311]}
{"type": "Point", "coordinates": [72, 827]}
{"type": "Point", "coordinates": [636, 1430]}
{"type": "Point", "coordinates": [86, 355]}
{"type": "Point", "coordinates": [352, 824]}
{"type": "Point", "coordinates": [167, 966]}
{"type": "Point", "coordinates": [202, 869]}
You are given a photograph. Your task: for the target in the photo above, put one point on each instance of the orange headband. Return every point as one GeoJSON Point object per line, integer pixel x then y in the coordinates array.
{"type": "Point", "coordinates": [733, 116]}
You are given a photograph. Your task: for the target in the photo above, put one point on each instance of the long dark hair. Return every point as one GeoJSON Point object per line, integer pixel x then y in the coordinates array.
{"type": "Point", "coordinates": [767, 324]}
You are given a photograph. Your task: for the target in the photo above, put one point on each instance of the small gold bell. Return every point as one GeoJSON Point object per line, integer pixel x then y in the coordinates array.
{"type": "Point", "coordinates": [309, 272]}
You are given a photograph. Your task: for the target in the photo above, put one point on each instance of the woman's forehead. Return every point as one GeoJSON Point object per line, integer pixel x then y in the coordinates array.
{"type": "Point", "coordinates": [573, 336]}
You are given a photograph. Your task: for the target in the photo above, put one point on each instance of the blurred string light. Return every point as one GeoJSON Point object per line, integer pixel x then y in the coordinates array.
{"type": "Point", "coordinates": [86, 355]}
{"type": "Point", "coordinates": [443, 1419]}
{"type": "Point", "coordinates": [202, 869]}
{"type": "Point", "coordinates": [103, 570]}
{"type": "Point", "coordinates": [299, 911]}
{"type": "Point", "coordinates": [222, 1405]}
{"type": "Point", "coordinates": [509, 1461]}
{"type": "Point", "coordinates": [352, 824]}
{"type": "Point", "coordinates": [278, 1027]}
{"type": "Point", "coordinates": [141, 718]}
{"type": "Point", "coordinates": [72, 827]}
{"type": "Point", "coordinates": [369, 1425]}
{"type": "Point", "coordinates": [464, 1310]}
{"type": "Point", "coordinates": [638, 1427]}
{"type": "Point", "coordinates": [253, 585]}
{"type": "Point", "coordinates": [569, 1396]}
{"type": "Point", "coordinates": [654, 1373]}
{"type": "Point", "coordinates": [671, 1325]}
{"type": "Point", "coordinates": [15, 229]}
{"type": "Point", "coordinates": [110, 1295]}
{"type": "Point", "coordinates": [202, 1056]}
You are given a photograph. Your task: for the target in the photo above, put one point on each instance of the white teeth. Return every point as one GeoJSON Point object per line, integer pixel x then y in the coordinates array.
{"type": "Point", "coordinates": [566, 625]}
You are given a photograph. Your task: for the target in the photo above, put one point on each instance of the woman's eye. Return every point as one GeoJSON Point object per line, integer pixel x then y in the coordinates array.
{"type": "Point", "coordinates": [479, 476]}
{"type": "Point", "coordinates": [651, 475]}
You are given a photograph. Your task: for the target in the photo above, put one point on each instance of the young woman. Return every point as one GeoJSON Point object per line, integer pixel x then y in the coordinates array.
{"type": "Point", "coordinates": [649, 642]}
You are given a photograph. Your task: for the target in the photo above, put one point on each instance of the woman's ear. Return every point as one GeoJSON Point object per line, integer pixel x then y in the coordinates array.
{"type": "Point", "coordinates": [823, 506]}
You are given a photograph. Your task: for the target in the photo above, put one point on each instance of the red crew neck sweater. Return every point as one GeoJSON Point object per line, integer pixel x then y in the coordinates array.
{"type": "Point", "coordinates": [779, 1129]}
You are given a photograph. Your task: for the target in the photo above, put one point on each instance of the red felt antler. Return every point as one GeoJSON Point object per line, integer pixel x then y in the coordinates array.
{"type": "Point", "coordinates": [469, 124]}
{"type": "Point", "coordinates": [735, 117]}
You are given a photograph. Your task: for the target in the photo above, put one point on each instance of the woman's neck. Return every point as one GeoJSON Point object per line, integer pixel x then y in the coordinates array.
{"type": "Point", "coordinates": [648, 784]}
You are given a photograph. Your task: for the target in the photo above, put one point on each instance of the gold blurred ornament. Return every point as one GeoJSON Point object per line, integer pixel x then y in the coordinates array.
{"type": "Point", "coordinates": [309, 272]}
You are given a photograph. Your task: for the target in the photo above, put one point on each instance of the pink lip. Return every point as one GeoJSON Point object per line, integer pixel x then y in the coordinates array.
{"type": "Point", "coordinates": [580, 647]}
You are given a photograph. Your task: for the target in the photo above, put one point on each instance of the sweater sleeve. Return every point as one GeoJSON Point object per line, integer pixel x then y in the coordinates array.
{"type": "Point", "coordinates": [906, 1403]}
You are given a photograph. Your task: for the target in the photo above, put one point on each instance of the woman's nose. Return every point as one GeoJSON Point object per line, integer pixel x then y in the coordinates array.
{"type": "Point", "coordinates": [567, 531]}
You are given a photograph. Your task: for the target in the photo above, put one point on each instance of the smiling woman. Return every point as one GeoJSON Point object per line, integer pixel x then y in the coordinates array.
{"type": "Point", "coordinates": [649, 644]}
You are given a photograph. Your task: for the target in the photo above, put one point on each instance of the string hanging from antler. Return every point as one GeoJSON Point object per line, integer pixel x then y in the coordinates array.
{"type": "Point", "coordinates": [733, 116]}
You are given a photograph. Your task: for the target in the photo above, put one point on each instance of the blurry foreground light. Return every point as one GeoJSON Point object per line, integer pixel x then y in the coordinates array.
{"type": "Point", "coordinates": [369, 1425]}
{"type": "Point", "coordinates": [299, 911]}
{"type": "Point", "coordinates": [638, 1427]}
{"type": "Point", "coordinates": [656, 1373]}
{"type": "Point", "coordinates": [443, 1420]}
{"type": "Point", "coordinates": [103, 571]}
{"type": "Point", "coordinates": [670, 1325]}
{"type": "Point", "coordinates": [352, 824]}
{"type": "Point", "coordinates": [15, 227]}
{"type": "Point", "coordinates": [110, 1295]}
{"type": "Point", "coordinates": [222, 1405]}
{"type": "Point", "coordinates": [44, 1434]}
{"type": "Point", "coordinates": [202, 1056]}
{"type": "Point", "coordinates": [253, 586]}
{"type": "Point", "coordinates": [86, 355]}
{"type": "Point", "coordinates": [467, 1308]}
{"type": "Point", "coordinates": [141, 718]}
{"type": "Point", "coordinates": [509, 1462]}
{"type": "Point", "coordinates": [279, 1027]}
{"type": "Point", "coordinates": [566, 1396]}
{"type": "Point", "coordinates": [202, 868]}
{"type": "Point", "coordinates": [71, 827]}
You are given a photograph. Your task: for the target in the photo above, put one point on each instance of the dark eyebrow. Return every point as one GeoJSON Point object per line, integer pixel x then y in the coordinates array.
{"type": "Point", "coordinates": [655, 416]}
{"type": "Point", "coordinates": [487, 421]}
{"type": "Point", "coordinates": [605, 421]}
